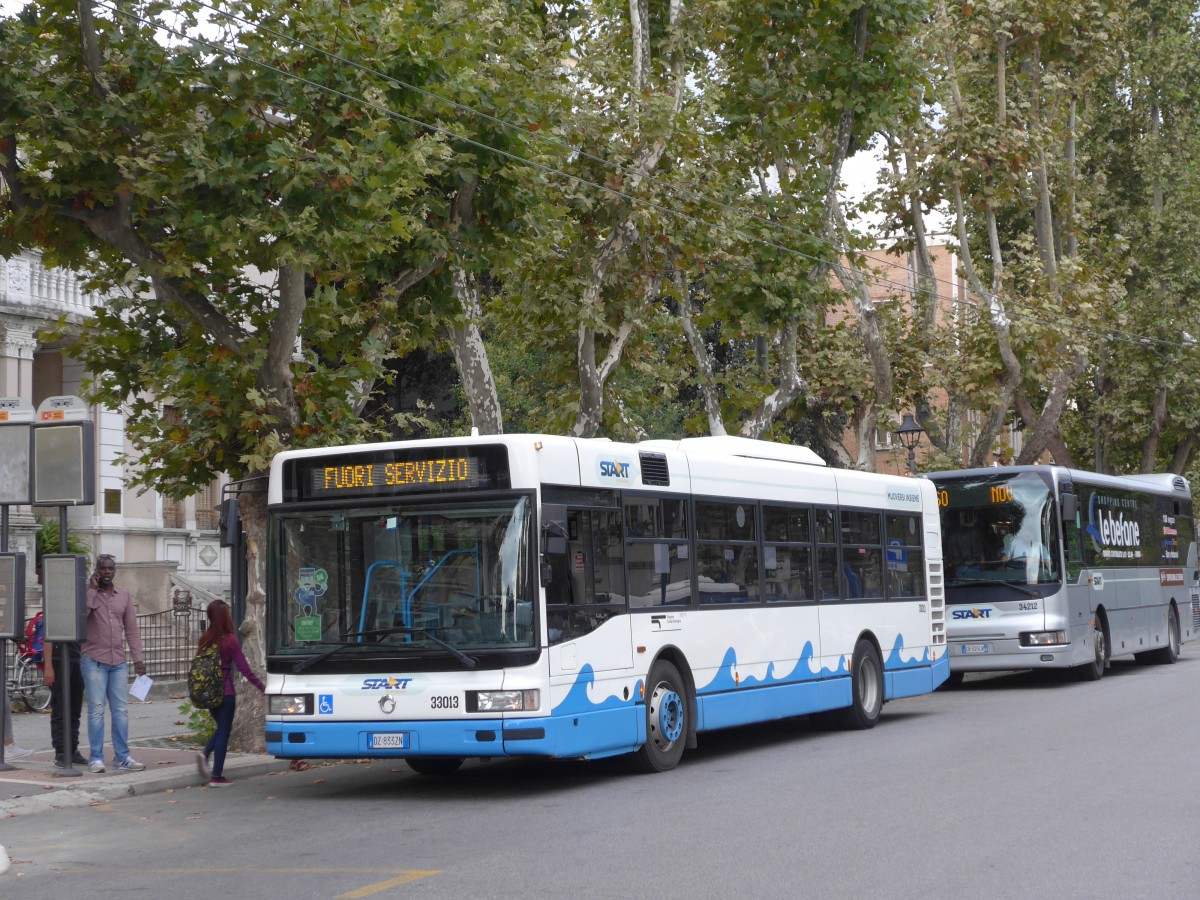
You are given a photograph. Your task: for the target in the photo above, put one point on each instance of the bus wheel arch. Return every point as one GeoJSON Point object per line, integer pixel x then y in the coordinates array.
{"type": "Point", "coordinates": [670, 710]}
{"type": "Point", "coordinates": [867, 686]}
{"type": "Point", "coordinates": [1101, 652]}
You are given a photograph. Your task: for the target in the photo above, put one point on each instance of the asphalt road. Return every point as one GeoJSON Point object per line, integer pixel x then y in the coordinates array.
{"type": "Point", "coordinates": [1016, 786]}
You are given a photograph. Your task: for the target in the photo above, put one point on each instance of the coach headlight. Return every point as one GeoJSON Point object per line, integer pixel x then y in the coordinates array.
{"type": "Point", "coordinates": [1042, 638]}
{"type": "Point", "coordinates": [503, 701]}
{"type": "Point", "coordinates": [290, 704]}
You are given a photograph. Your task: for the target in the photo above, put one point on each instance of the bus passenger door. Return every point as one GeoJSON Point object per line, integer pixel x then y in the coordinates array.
{"type": "Point", "coordinates": [590, 645]}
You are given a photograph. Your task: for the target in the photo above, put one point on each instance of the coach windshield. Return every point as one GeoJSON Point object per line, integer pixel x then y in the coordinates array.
{"type": "Point", "coordinates": [999, 528]}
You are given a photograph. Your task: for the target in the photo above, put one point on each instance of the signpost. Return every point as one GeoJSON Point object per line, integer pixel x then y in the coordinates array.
{"type": "Point", "coordinates": [16, 416]}
{"type": "Point", "coordinates": [46, 460]}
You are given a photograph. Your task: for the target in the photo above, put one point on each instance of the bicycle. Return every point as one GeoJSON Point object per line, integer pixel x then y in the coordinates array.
{"type": "Point", "coordinates": [25, 682]}
{"type": "Point", "coordinates": [28, 686]}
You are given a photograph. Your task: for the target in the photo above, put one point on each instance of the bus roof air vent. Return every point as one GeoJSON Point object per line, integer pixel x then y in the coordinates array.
{"type": "Point", "coordinates": [654, 469]}
{"type": "Point", "coordinates": [1180, 484]}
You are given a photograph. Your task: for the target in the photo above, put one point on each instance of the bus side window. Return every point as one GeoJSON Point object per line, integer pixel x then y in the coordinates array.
{"type": "Point", "coordinates": [788, 554]}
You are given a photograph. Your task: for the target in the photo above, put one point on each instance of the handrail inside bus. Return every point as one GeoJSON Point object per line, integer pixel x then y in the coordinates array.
{"type": "Point", "coordinates": [406, 596]}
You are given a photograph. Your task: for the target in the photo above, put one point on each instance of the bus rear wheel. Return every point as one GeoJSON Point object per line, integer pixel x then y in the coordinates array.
{"type": "Point", "coordinates": [434, 765]}
{"type": "Point", "coordinates": [1168, 654]}
{"type": "Point", "coordinates": [1094, 670]}
{"type": "Point", "coordinates": [666, 720]}
{"type": "Point", "coordinates": [866, 679]}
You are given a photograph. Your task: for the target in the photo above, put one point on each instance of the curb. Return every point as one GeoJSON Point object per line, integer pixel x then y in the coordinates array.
{"type": "Point", "coordinates": [132, 784]}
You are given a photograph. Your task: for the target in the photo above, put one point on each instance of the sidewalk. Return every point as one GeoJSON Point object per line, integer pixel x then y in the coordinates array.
{"type": "Point", "coordinates": [157, 737]}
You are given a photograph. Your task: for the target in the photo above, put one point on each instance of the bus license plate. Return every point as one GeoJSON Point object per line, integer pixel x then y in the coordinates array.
{"type": "Point", "coordinates": [397, 741]}
{"type": "Point", "coordinates": [968, 649]}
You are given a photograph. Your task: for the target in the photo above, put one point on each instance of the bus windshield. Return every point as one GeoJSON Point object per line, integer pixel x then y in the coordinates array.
{"type": "Point", "coordinates": [999, 528]}
{"type": "Point", "coordinates": [409, 577]}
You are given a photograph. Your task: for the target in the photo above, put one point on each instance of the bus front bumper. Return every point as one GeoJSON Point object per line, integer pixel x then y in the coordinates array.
{"type": "Point", "coordinates": [604, 733]}
{"type": "Point", "coordinates": [994, 655]}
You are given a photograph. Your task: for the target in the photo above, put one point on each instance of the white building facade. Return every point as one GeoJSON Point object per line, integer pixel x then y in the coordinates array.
{"type": "Point", "coordinates": [164, 549]}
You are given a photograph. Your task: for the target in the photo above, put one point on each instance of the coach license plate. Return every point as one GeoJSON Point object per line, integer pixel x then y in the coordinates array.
{"type": "Point", "coordinates": [397, 741]}
{"type": "Point", "coordinates": [971, 649]}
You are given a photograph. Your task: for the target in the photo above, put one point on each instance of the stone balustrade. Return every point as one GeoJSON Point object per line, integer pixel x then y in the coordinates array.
{"type": "Point", "coordinates": [29, 287]}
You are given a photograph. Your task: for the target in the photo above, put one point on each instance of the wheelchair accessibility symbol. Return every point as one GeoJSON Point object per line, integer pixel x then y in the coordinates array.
{"type": "Point", "coordinates": [325, 704]}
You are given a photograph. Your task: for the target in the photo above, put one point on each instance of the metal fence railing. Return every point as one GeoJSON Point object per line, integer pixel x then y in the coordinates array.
{"type": "Point", "coordinates": [169, 638]}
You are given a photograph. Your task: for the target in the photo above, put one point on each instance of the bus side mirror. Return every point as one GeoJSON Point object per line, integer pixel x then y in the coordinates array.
{"type": "Point", "coordinates": [1070, 507]}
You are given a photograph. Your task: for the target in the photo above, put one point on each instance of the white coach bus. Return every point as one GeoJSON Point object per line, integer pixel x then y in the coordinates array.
{"type": "Point", "coordinates": [1048, 567]}
{"type": "Point", "coordinates": [531, 595]}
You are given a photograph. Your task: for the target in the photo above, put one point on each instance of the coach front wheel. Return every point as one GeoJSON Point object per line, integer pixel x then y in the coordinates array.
{"type": "Point", "coordinates": [866, 679]}
{"type": "Point", "coordinates": [666, 720]}
{"type": "Point", "coordinates": [1094, 670]}
{"type": "Point", "coordinates": [954, 681]}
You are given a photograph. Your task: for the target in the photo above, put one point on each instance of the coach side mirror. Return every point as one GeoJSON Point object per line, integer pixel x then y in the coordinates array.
{"type": "Point", "coordinates": [1070, 507]}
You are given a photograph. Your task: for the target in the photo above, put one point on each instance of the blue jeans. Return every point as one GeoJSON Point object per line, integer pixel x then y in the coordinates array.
{"type": "Point", "coordinates": [218, 744]}
{"type": "Point", "coordinates": [112, 682]}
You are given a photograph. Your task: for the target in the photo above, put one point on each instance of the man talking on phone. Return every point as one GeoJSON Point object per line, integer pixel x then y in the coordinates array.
{"type": "Point", "coordinates": [111, 623]}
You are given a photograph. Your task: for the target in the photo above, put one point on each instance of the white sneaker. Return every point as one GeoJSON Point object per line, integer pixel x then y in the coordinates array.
{"type": "Point", "coordinates": [12, 751]}
{"type": "Point", "coordinates": [129, 764]}
{"type": "Point", "coordinates": [97, 766]}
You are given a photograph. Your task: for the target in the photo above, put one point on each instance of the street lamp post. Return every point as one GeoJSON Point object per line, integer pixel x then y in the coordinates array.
{"type": "Point", "coordinates": [910, 433]}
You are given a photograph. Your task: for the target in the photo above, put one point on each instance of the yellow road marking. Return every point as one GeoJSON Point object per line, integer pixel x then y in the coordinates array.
{"type": "Point", "coordinates": [240, 870]}
{"type": "Point", "coordinates": [370, 889]}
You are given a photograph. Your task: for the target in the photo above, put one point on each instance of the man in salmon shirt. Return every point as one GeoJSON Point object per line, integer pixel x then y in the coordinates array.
{"type": "Point", "coordinates": [111, 623]}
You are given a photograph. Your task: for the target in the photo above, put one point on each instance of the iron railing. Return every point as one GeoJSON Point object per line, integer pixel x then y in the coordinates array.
{"type": "Point", "coordinates": [169, 638]}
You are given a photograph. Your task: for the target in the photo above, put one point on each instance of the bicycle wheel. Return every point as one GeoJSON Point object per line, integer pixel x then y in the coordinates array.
{"type": "Point", "coordinates": [34, 691]}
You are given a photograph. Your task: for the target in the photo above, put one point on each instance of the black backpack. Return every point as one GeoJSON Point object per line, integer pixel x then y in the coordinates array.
{"type": "Point", "coordinates": [206, 679]}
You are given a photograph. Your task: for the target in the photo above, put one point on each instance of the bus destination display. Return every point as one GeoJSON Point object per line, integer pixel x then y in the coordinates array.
{"type": "Point", "coordinates": [382, 473]}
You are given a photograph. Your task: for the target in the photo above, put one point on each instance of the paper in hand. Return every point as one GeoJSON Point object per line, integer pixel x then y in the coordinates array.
{"type": "Point", "coordinates": [140, 689]}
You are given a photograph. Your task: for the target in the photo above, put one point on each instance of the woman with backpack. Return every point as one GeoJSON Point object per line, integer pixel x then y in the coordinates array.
{"type": "Point", "coordinates": [220, 634]}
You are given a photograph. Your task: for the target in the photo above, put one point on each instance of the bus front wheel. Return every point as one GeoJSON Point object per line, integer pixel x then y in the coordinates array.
{"type": "Point", "coordinates": [866, 679]}
{"type": "Point", "coordinates": [1094, 670]}
{"type": "Point", "coordinates": [434, 765]}
{"type": "Point", "coordinates": [666, 720]}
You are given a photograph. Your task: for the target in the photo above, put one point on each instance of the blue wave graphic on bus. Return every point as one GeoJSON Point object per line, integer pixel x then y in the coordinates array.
{"type": "Point", "coordinates": [725, 680]}
{"type": "Point", "coordinates": [896, 661]}
{"type": "Point", "coordinates": [577, 700]}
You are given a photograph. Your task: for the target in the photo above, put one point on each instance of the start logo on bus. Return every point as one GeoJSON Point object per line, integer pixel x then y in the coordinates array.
{"type": "Point", "coordinates": [618, 469]}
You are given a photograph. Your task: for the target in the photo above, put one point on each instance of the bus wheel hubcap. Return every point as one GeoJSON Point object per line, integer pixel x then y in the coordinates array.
{"type": "Point", "coordinates": [666, 715]}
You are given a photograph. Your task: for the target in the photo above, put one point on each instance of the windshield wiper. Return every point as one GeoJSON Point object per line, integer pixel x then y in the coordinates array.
{"type": "Point", "coordinates": [977, 582]}
{"type": "Point", "coordinates": [469, 661]}
{"type": "Point", "coordinates": [313, 660]}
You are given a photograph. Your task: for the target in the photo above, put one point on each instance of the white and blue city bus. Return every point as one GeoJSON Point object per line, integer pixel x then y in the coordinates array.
{"type": "Point", "coordinates": [1049, 567]}
{"type": "Point", "coordinates": [531, 595]}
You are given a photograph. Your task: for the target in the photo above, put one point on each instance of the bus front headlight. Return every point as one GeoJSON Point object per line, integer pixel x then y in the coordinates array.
{"type": "Point", "coordinates": [1042, 638]}
{"type": "Point", "coordinates": [290, 704]}
{"type": "Point", "coordinates": [503, 701]}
